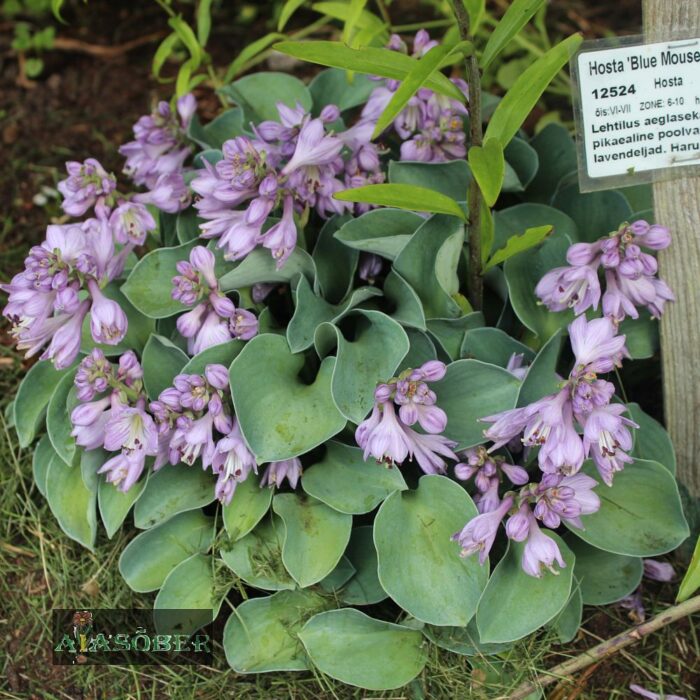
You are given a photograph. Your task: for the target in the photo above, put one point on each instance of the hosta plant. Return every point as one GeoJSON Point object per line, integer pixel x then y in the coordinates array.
{"type": "Point", "coordinates": [260, 348]}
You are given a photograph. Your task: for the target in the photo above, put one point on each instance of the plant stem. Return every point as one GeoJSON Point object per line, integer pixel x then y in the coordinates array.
{"type": "Point", "coordinates": [475, 137]}
{"type": "Point", "coordinates": [607, 648]}
{"type": "Point", "coordinates": [432, 24]}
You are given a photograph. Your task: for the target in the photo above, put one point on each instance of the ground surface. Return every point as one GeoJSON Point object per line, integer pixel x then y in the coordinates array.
{"type": "Point", "coordinates": [84, 105]}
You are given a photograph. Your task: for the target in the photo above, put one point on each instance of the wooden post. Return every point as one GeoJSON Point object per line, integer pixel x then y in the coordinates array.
{"type": "Point", "coordinates": [677, 204]}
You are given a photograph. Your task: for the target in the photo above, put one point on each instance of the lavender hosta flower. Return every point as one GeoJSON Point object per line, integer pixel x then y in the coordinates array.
{"type": "Point", "coordinates": [243, 324]}
{"type": "Point", "coordinates": [370, 267]}
{"type": "Point", "coordinates": [160, 145]}
{"type": "Point", "coordinates": [85, 183]}
{"type": "Point", "coordinates": [606, 437]}
{"type": "Point", "coordinates": [634, 603]}
{"type": "Point", "coordinates": [516, 366]}
{"type": "Point", "coordinates": [108, 322]}
{"type": "Point", "coordinates": [484, 467]}
{"type": "Point", "coordinates": [232, 462]}
{"type": "Point", "coordinates": [565, 498]}
{"type": "Point", "coordinates": [540, 552]}
{"type": "Point", "coordinates": [281, 238]}
{"type": "Point", "coordinates": [518, 525]}
{"type": "Point", "coordinates": [658, 570]}
{"type": "Point", "coordinates": [479, 534]}
{"type": "Point", "coordinates": [653, 696]}
{"type": "Point", "coordinates": [314, 147]}
{"type": "Point", "coordinates": [169, 193]}
{"type": "Point", "coordinates": [131, 222]}
{"type": "Point", "coordinates": [631, 280]}
{"type": "Point", "coordinates": [277, 472]}
{"type": "Point", "coordinates": [89, 421]}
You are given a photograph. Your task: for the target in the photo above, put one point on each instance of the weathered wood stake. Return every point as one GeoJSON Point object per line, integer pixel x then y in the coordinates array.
{"type": "Point", "coordinates": [677, 204]}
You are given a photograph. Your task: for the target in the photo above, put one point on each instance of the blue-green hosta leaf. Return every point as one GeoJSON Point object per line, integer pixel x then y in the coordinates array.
{"type": "Point", "coordinates": [449, 333]}
{"type": "Point", "coordinates": [359, 650]}
{"type": "Point", "coordinates": [596, 214]}
{"type": "Point", "coordinates": [173, 490]}
{"type": "Point", "coordinates": [641, 335]}
{"type": "Point", "coordinates": [462, 640]}
{"type": "Point", "coordinates": [257, 557]}
{"type": "Point", "coordinates": [342, 573]}
{"type": "Point", "coordinates": [541, 378]}
{"type": "Point", "coordinates": [472, 390]}
{"type": "Point", "coordinates": [651, 441]}
{"type": "Point", "coordinates": [260, 266]}
{"type": "Point", "coordinates": [315, 536]}
{"type": "Point", "coordinates": [149, 285]}
{"type": "Point", "coordinates": [428, 579]}
{"type": "Point", "coordinates": [522, 158]}
{"type": "Point", "coordinates": [114, 505]}
{"type": "Point", "coordinates": [248, 506]}
{"type": "Point", "coordinates": [312, 310]}
{"type": "Point", "coordinates": [556, 152]}
{"type": "Point", "coordinates": [604, 577]}
{"type": "Point", "coordinates": [148, 559]}
{"type": "Point", "coordinates": [333, 87]}
{"type": "Point", "coordinates": [190, 589]}
{"type": "Point", "coordinates": [58, 423]}
{"type": "Point", "coordinates": [43, 454]}
{"type": "Point", "coordinates": [381, 231]}
{"type": "Point", "coordinates": [280, 416]}
{"type": "Point", "coordinates": [364, 588]}
{"type": "Point", "coordinates": [515, 604]}
{"type": "Point", "coordinates": [222, 354]}
{"type": "Point", "coordinates": [429, 262]}
{"type": "Point", "coordinates": [335, 262]}
{"type": "Point", "coordinates": [376, 350]}
{"type": "Point", "coordinates": [523, 272]}
{"type": "Point", "coordinates": [261, 634]}
{"type": "Point", "coordinates": [32, 400]}
{"type": "Point", "coordinates": [347, 483]}
{"type": "Point", "coordinates": [640, 514]}
{"type": "Point", "coordinates": [408, 309]}
{"type": "Point", "coordinates": [494, 346]}
{"type": "Point", "coordinates": [72, 502]}
{"type": "Point", "coordinates": [259, 94]}
{"type": "Point", "coordinates": [566, 624]}
{"type": "Point", "coordinates": [162, 360]}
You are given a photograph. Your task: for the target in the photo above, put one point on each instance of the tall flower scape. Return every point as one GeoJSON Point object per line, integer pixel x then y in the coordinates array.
{"type": "Point", "coordinates": [232, 341]}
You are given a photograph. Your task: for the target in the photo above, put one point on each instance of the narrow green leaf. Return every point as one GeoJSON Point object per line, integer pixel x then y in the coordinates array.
{"type": "Point", "coordinates": [413, 82]}
{"type": "Point", "coordinates": [517, 244]}
{"type": "Point", "coordinates": [251, 51]}
{"type": "Point", "coordinates": [188, 38]}
{"type": "Point", "coordinates": [163, 52]}
{"type": "Point", "coordinates": [403, 197]}
{"type": "Point", "coordinates": [288, 9]}
{"type": "Point", "coordinates": [382, 62]}
{"type": "Point", "coordinates": [203, 21]}
{"type": "Point", "coordinates": [357, 7]}
{"type": "Point", "coordinates": [475, 8]}
{"type": "Point", "coordinates": [488, 166]}
{"type": "Point", "coordinates": [691, 580]}
{"type": "Point", "coordinates": [516, 17]}
{"type": "Point", "coordinates": [519, 101]}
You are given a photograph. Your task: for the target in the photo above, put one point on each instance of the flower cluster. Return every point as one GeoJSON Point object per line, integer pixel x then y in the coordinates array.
{"type": "Point", "coordinates": [214, 319]}
{"type": "Point", "coordinates": [117, 419]}
{"type": "Point", "coordinates": [194, 421]}
{"type": "Point", "coordinates": [631, 280]}
{"type": "Point", "coordinates": [64, 277]}
{"type": "Point", "coordinates": [431, 126]}
{"type": "Point", "coordinates": [550, 425]}
{"type": "Point", "coordinates": [402, 402]}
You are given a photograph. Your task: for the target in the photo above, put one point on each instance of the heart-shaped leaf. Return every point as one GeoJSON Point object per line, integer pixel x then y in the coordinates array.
{"type": "Point", "coordinates": [428, 579]}
{"type": "Point", "coordinates": [364, 588]}
{"type": "Point", "coordinates": [247, 508]}
{"type": "Point", "coordinates": [514, 603]}
{"type": "Point", "coordinates": [280, 416]}
{"type": "Point", "coordinates": [348, 484]}
{"type": "Point", "coordinates": [315, 536]}
{"type": "Point", "coordinates": [151, 556]}
{"type": "Point", "coordinates": [162, 360]}
{"type": "Point", "coordinates": [359, 650]}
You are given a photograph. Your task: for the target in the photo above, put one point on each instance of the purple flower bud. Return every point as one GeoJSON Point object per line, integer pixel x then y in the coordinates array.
{"type": "Point", "coordinates": [130, 369]}
{"type": "Point", "coordinates": [243, 325]}
{"type": "Point", "coordinates": [217, 376]}
{"type": "Point", "coordinates": [518, 525]}
{"type": "Point", "coordinates": [657, 238]}
{"type": "Point", "coordinates": [223, 306]}
{"type": "Point", "coordinates": [464, 472]}
{"type": "Point", "coordinates": [204, 261]}
{"type": "Point", "coordinates": [131, 222]}
{"type": "Point", "coordinates": [330, 114]}
{"type": "Point", "coordinates": [516, 474]}
{"type": "Point", "coordinates": [384, 392]}
{"type": "Point", "coordinates": [658, 570]}
{"type": "Point", "coordinates": [108, 323]}
{"type": "Point", "coordinates": [582, 253]}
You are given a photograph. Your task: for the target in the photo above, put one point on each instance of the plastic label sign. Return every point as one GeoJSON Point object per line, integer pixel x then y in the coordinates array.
{"type": "Point", "coordinates": [637, 109]}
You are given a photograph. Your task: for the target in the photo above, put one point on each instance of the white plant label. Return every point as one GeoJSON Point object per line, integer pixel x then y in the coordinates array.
{"type": "Point", "coordinates": [639, 108]}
